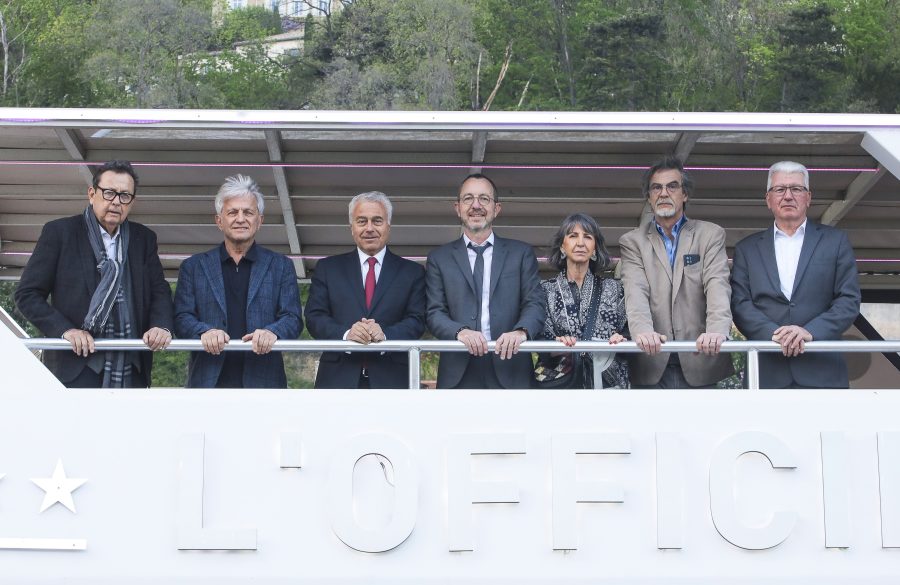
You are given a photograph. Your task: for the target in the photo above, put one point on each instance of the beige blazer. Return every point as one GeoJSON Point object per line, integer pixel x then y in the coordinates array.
{"type": "Point", "coordinates": [680, 302]}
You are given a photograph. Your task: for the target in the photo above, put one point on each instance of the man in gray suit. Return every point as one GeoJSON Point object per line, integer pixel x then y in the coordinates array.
{"type": "Point", "coordinates": [793, 283]}
{"type": "Point", "coordinates": [675, 273]}
{"type": "Point", "coordinates": [482, 287]}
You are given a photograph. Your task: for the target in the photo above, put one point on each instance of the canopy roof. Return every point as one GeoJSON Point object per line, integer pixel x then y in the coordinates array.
{"type": "Point", "coordinates": [546, 165]}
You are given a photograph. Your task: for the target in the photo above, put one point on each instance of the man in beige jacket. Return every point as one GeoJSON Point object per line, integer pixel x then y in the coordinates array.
{"type": "Point", "coordinates": [675, 273]}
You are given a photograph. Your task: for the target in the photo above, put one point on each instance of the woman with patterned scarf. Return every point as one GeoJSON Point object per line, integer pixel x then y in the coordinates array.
{"type": "Point", "coordinates": [579, 298]}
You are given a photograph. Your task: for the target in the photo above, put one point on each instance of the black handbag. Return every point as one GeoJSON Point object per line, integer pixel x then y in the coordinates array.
{"type": "Point", "coordinates": [571, 370]}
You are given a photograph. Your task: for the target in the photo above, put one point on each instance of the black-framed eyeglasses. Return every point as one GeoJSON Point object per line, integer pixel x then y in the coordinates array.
{"type": "Point", "coordinates": [671, 188]}
{"type": "Point", "coordinates": [109, 194]}
{"type": "Point", "coordinates": [796, 190]}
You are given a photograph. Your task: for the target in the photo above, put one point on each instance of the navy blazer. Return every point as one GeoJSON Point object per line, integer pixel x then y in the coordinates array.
{"type": "Point", "coordinates": [825, 302]}
{"type": "Point", "coordinates": [337, 300]}
{"type": "Point", "coordinates": [273, 303]}
{"type": "Point", "coordinates": [62, 267]}
{"type": "Point", "coordinates": [516, 302]}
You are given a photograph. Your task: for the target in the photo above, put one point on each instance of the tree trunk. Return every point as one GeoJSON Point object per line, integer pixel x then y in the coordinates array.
{"type": "Point", "coordinates": [562, 39]}
{"type": "Point", "coordinates": [4, 42]}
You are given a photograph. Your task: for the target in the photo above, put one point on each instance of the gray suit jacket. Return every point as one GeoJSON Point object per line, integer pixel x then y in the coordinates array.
{"type": "Point", "coordinates": [680, 302]}
{"type": "Point", "coordinates": [825, 302]}
{"type": "Point", "coordinates": [517, 302]}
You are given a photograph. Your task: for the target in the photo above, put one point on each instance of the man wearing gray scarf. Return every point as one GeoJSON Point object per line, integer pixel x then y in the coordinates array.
{"type": "Point", "coordinates": [103, 277]}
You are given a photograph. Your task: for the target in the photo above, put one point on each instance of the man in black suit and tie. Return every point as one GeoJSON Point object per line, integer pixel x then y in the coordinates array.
{"type": "Point", "coordinates": [103, 277]}
{"type": "Point", "coordinates": [482, 287]}
{"type": "Point", "coordinates": [367, 296]}
{"type": "Point", "coordinates": [793, 283]}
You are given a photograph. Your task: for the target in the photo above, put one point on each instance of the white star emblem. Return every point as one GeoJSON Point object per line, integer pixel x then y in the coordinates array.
{"type": "Point", "coordinates": [59, 488]}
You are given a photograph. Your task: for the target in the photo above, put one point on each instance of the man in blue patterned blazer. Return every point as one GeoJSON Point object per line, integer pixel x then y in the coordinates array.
{"type": "Point", "coordinates": [237, 290]}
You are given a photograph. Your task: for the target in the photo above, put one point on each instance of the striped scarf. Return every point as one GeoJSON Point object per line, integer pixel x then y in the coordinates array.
{"type": "Point", "coordinates": [109, 312]}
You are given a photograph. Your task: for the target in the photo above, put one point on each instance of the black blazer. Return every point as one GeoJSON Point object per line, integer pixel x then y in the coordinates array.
{"type": "Point", "coordinates": [337, 300]}
{"type": "Point", "coordinates": [825, 302]}
{"type": "Point", "coordinates": [62, 267]}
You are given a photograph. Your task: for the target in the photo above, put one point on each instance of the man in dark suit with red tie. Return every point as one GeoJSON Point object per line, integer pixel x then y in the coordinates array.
{"type": "Point", "coordinates": [367, 296]}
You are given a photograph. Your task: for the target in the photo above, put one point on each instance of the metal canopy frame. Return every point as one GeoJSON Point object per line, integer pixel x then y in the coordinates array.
{"type": "Point", "coordinates": [546, 165]}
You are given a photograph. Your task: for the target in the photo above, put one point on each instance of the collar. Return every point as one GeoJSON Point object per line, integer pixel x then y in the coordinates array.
{"type": "Point", "coordinates": [467, 241]}
{"type": "Point", "coordinates": [800, 230]}
{"type": "Point", "coordinates": [251, 254]}
{"type": "Point", "coordinates": [109, 238]}
{"type": "Point", "coordinates": [675, 228]}
{"type": "Point", "coordinates": [363, 257]}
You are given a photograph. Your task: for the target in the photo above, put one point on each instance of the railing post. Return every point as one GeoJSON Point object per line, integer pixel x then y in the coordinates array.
{"type": "Point", "coordinates": [414, 369]}
{"type": "Point", "coordinates": [753, 369]}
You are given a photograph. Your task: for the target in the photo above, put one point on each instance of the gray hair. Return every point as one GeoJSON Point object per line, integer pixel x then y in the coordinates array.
{"type": "Point", "coordinates": [239, 186]}
{"type": "Point", "coordinates": [372, 197]}
{"type": "Point", "coordinates": [788, 167]}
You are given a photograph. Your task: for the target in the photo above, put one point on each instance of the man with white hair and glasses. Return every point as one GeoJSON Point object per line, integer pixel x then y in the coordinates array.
{"type": "Point", "coordinates": [793, 283]}
{"type": "Point", "coordinates": [238, 290]}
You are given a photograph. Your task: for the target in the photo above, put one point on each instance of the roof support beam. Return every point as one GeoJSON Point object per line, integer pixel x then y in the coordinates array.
{"type": "Point", "coordinates": [273, 144]}
{"type": "Point", "coordinates": [479, 145]}
{"type": "Point", "coordinates": [685, 145]}
{"type": "Point", "coordinates": [76, 151]}
{"type": "Point", "coordinates": [884, 145]}
{"type": "Point", "coordinates": [855, 192]}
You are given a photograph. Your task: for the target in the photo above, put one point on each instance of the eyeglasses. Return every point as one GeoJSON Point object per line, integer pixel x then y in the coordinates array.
{"type": "Point", "coordinates": [796, 190]}
{"type": "Point", "coordinates": [671, 188]}
{"type": "Point", "coordinates": [109, 194]}
{"type": "Point", "coordinates": [484, 200]}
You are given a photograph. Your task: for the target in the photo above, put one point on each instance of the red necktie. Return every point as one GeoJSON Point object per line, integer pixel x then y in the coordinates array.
{"type": "Point", "coordinates": [370, 282]}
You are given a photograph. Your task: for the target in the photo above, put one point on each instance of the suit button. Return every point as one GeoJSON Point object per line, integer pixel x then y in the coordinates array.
{"type": "Point", "coordinates": [793, 304]}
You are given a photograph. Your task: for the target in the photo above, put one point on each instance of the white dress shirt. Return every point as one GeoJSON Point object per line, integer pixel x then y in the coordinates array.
{"type": "Point", "coordinates": [787, 256]}
{"type": "Point", "coordinates": [364, 271]}
{"type": "Point", "coordinates": [364, 264]}
{"type": "Point", "coordinates": [110, 243]}
{"type": "Point", "coordinates": [486, 284]}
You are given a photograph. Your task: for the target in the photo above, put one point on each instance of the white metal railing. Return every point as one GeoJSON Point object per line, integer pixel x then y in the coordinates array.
{"type": "Point", "coordinates": [415, 347]}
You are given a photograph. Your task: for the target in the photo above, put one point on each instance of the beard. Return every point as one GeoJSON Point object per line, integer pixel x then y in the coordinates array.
{"type": "Point", "coordinates": [666, 212]}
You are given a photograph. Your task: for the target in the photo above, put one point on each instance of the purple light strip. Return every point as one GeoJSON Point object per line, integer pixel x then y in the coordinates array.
{"type": "Point", "coordinates": [423, 258]}
{"type": "Point", "coordinates": [422, 166]}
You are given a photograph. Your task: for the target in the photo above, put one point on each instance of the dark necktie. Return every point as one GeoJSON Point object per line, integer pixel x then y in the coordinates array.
{"type": "Point", "coordinates": [478, 276]}
{"type": "Point", "coordinates": [370, 282]}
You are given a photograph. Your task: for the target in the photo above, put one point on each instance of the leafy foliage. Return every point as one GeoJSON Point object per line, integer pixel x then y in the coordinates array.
{"type": "Point", "coordinates": [246, 24]}
{"type": "Point", "coordinates": [681, 55]}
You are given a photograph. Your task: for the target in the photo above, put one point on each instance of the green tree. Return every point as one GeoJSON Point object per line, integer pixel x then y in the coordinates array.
{"type": "Point", "coordinates": [513, 33]}
{"type": "Point", "coordinates": [50, 48]}
{"type": "Point", "coordinates": [872, 36]}
{"type": "Point", "coordinates": [625, 67]}
{"type": "Point", "coordinates": [396, 54]}
{"type": "Point", "coordinates": [812, 61]}
{"type": "Point", "coordinates": [246, 78]}
{"type": "Point", "coordinates": [144, 51]}
{"type": "Point", "coordinates": [247, 24]}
